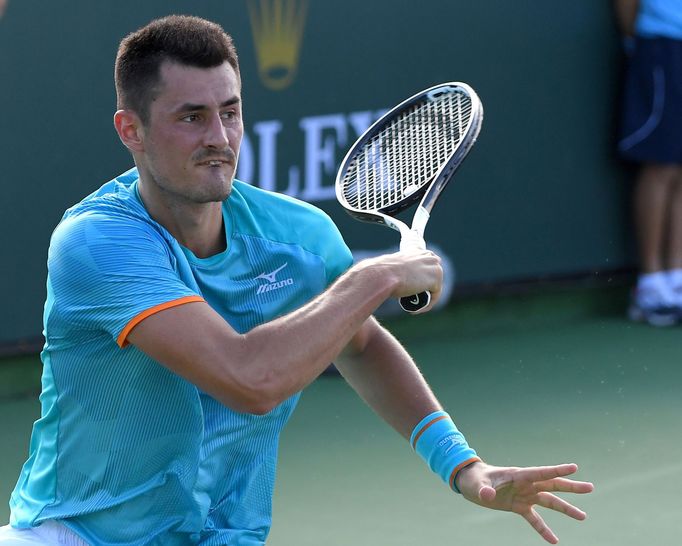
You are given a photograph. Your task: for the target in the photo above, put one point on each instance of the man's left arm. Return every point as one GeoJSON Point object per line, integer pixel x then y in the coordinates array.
{"type": "Point", "coordinates": [384, 375]}
{"type": "Point", "coordinates": [381, 371]}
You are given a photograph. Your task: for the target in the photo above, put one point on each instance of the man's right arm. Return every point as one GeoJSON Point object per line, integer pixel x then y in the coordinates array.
{"type": "Point", "coordinates": [255, 371]}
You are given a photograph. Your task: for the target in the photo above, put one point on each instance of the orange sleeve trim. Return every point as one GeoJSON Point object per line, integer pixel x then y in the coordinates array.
{"type": "Point", "coordinates": [122, 338]}
{"type": "Point", "coordinates": [427, 425]}
{"type": "Point", "coordinates": [460, 467]}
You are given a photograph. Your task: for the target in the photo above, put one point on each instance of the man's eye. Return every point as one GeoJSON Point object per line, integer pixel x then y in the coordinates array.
{"type": "Point", "coordinates": [190, 117]}
{"type": "Point", "coordinates": [228, 115]}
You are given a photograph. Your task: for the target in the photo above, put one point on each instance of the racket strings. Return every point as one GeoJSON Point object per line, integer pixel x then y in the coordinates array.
{"type": "Point", "coordinates": [406, 154]}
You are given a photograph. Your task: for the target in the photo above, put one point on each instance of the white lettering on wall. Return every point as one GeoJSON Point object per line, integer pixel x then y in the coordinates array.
{"type": "Point", "coordinates": [322, 136]}
{"type": "Point", "coordinates": [310, 171]}
{"type": "Point", "coordinates": [267, 132]}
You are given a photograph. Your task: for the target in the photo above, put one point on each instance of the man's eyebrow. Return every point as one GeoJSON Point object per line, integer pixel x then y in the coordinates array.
{"type": "Point", "coordinates": [191, 107]}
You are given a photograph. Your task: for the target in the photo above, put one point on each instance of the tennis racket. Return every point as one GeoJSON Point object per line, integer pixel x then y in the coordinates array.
{"type": "Point", "coordinates": [410, 153]}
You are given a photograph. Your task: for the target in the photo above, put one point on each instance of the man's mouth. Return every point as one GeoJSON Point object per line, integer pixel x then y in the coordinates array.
{"type": "Point", "coordinates": [215, 163]}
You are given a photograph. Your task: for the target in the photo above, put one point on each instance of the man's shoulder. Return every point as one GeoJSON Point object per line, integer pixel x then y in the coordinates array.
{"type": "Point", "coordinates": [272, 205]}
{"type": "Point", "coordinates": [110, 212]}
{"type": "Point", "coordinates": [114, 199]}
{"type": "Point", "coordinates": [284, 219]}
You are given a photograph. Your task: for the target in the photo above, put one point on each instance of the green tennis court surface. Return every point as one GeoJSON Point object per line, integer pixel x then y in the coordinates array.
{"type": "Point", "coordinates": [537, 379]}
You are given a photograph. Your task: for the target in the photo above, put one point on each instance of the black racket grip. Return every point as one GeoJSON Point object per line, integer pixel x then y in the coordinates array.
{"type": "Point", "coordinates": [412, 304]}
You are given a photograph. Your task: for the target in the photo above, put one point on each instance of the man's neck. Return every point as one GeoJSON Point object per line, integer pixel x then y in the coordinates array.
{"type": "Point", "coordinates": [196, 226]}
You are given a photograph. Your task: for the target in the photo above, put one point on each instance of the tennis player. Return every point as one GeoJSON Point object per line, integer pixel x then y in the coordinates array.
{"type": "Point", "coordinates": [185, 312]}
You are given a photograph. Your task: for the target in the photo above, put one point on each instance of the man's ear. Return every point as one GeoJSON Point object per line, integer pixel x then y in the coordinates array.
{"type": "Point", "coordinates": [129, 129]}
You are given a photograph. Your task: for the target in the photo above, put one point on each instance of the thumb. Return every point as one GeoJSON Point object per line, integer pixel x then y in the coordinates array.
{"type": "Point", "coordinates": [487, 493]}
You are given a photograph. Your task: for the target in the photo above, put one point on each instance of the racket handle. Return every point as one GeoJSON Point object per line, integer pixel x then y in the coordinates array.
{"type": "Point", "coordinates": [412, 304]}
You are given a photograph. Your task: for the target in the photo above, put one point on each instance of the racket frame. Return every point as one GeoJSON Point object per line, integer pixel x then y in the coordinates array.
{"type": "Point", "coordinates": [428, 192]}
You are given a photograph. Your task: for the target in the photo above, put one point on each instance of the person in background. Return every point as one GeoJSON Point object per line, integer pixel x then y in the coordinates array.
{"type": "Point", "coordinates": [651, 136]}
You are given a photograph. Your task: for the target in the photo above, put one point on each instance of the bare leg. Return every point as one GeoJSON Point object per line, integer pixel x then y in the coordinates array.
{"type": "Point", "coordinates": [652, 202]}
{"type": "Point", "coordinates": [674, 247]}
{"type": "Point", "coordinates": [660, 243]}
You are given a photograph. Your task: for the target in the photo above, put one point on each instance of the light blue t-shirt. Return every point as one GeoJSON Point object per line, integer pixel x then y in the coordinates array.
{"type": "Point", "coordinates": [659, 18]}
{"type": "Point", "coordinates": [125, 451]}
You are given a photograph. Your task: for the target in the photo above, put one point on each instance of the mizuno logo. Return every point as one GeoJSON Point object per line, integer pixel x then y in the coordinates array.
{"type": "Point", "coordinates": [272, 282]}
{"type": "Point", "coordinates": [272, 277]}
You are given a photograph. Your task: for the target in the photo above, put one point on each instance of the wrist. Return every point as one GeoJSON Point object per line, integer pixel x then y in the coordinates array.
{"type": "Point", "coordinates": [377, 276]}
{"type": "Point", "coordinates": [438, 441]}
{"type": "Point", "coordinates": [461, 475]}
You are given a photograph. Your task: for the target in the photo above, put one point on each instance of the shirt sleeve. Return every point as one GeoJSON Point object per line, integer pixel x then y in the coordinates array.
{"type": "Point", "coordinates": [319, 234]}
{"type": "Point", "coordinates": [108, 272]}
{"type": "Point", "coordinates": [337, 255]}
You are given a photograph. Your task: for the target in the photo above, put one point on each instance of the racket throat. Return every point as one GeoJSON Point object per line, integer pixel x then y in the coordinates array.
{"type": "Point", "coordinates": [421, 218]}
{"type": "Point", "coordinates": [414, 236]}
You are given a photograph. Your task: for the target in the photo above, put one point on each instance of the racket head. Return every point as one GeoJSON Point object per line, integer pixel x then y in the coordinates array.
{"type": "Point", "coordinates": [410, 153]}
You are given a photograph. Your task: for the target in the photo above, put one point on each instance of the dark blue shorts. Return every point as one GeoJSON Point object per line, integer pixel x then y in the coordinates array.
{"type": "Point", "coordinates": [651, 129]}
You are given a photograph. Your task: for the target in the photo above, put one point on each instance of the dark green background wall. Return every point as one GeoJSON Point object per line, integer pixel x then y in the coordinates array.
{"type": "Point", "coordinates": [542, 194]}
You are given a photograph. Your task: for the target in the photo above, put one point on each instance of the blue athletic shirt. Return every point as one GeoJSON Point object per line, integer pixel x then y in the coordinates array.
{"type": "Point", "coordinates": [659, 19]}
{"type": "Point", "coordinates": [125, 451]}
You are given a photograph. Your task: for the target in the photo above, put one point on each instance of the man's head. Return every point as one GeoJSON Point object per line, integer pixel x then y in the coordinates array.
{"type": "Point", "coordinates": [180, 114]}
{"type": "Point", "coordinates": [185, 40]}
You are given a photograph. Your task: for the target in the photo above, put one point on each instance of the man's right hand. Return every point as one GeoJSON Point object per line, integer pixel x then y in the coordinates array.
{"type": "Point", "coordinates": [413, 270]}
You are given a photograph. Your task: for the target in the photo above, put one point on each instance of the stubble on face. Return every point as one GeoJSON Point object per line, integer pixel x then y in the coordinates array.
{"type": "Point", "coordinates": [194, 134]}
{"type": "Point", "coordinates": [186, 187]}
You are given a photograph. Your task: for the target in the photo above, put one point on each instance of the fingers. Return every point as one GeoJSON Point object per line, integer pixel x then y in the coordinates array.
{"type": "Point", "coordinates": [540, 526]}
{"type": "Point", "coordinates": [565, 485]}
{"type": "Point", "coordinates": [411, 271]}
{"type": "Point", "coordinates": [547, 500]}
{"type": "Point", "coordinates": [542, 473]}
{"type": "Point", "coordinates": [418, 270]}
{"type": "Point", "coordinates": [520, 489]}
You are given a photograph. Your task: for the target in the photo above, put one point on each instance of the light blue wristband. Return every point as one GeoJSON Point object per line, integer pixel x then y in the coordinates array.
{"type": "Point", "coordinates": [443, 447]}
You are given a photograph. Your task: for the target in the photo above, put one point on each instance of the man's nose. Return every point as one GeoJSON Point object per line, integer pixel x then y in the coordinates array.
{"type": "Point", "coordinates": [216, 134]}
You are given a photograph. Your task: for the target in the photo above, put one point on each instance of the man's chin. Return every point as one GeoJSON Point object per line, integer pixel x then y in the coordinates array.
{"type": "Point", "coordinates": [216, 189]}
{"type": "Point", "coordinates": [219, 194]}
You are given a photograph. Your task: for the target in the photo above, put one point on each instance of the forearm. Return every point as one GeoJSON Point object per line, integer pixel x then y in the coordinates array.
{"type": "Point", "coordinates": [290, 352]}
{"type": "Point", "coordinates": [382, 372]}
{"type": "Point", "coordinates": [385, 376]}
{"type": "Point", "coordinates": [255, 371]}
{"type": "Point", "coordinates": [287, 354]}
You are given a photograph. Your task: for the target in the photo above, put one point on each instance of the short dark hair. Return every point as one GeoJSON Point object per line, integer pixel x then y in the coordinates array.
{"type": "Point", "coordinates": [183, 39]}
